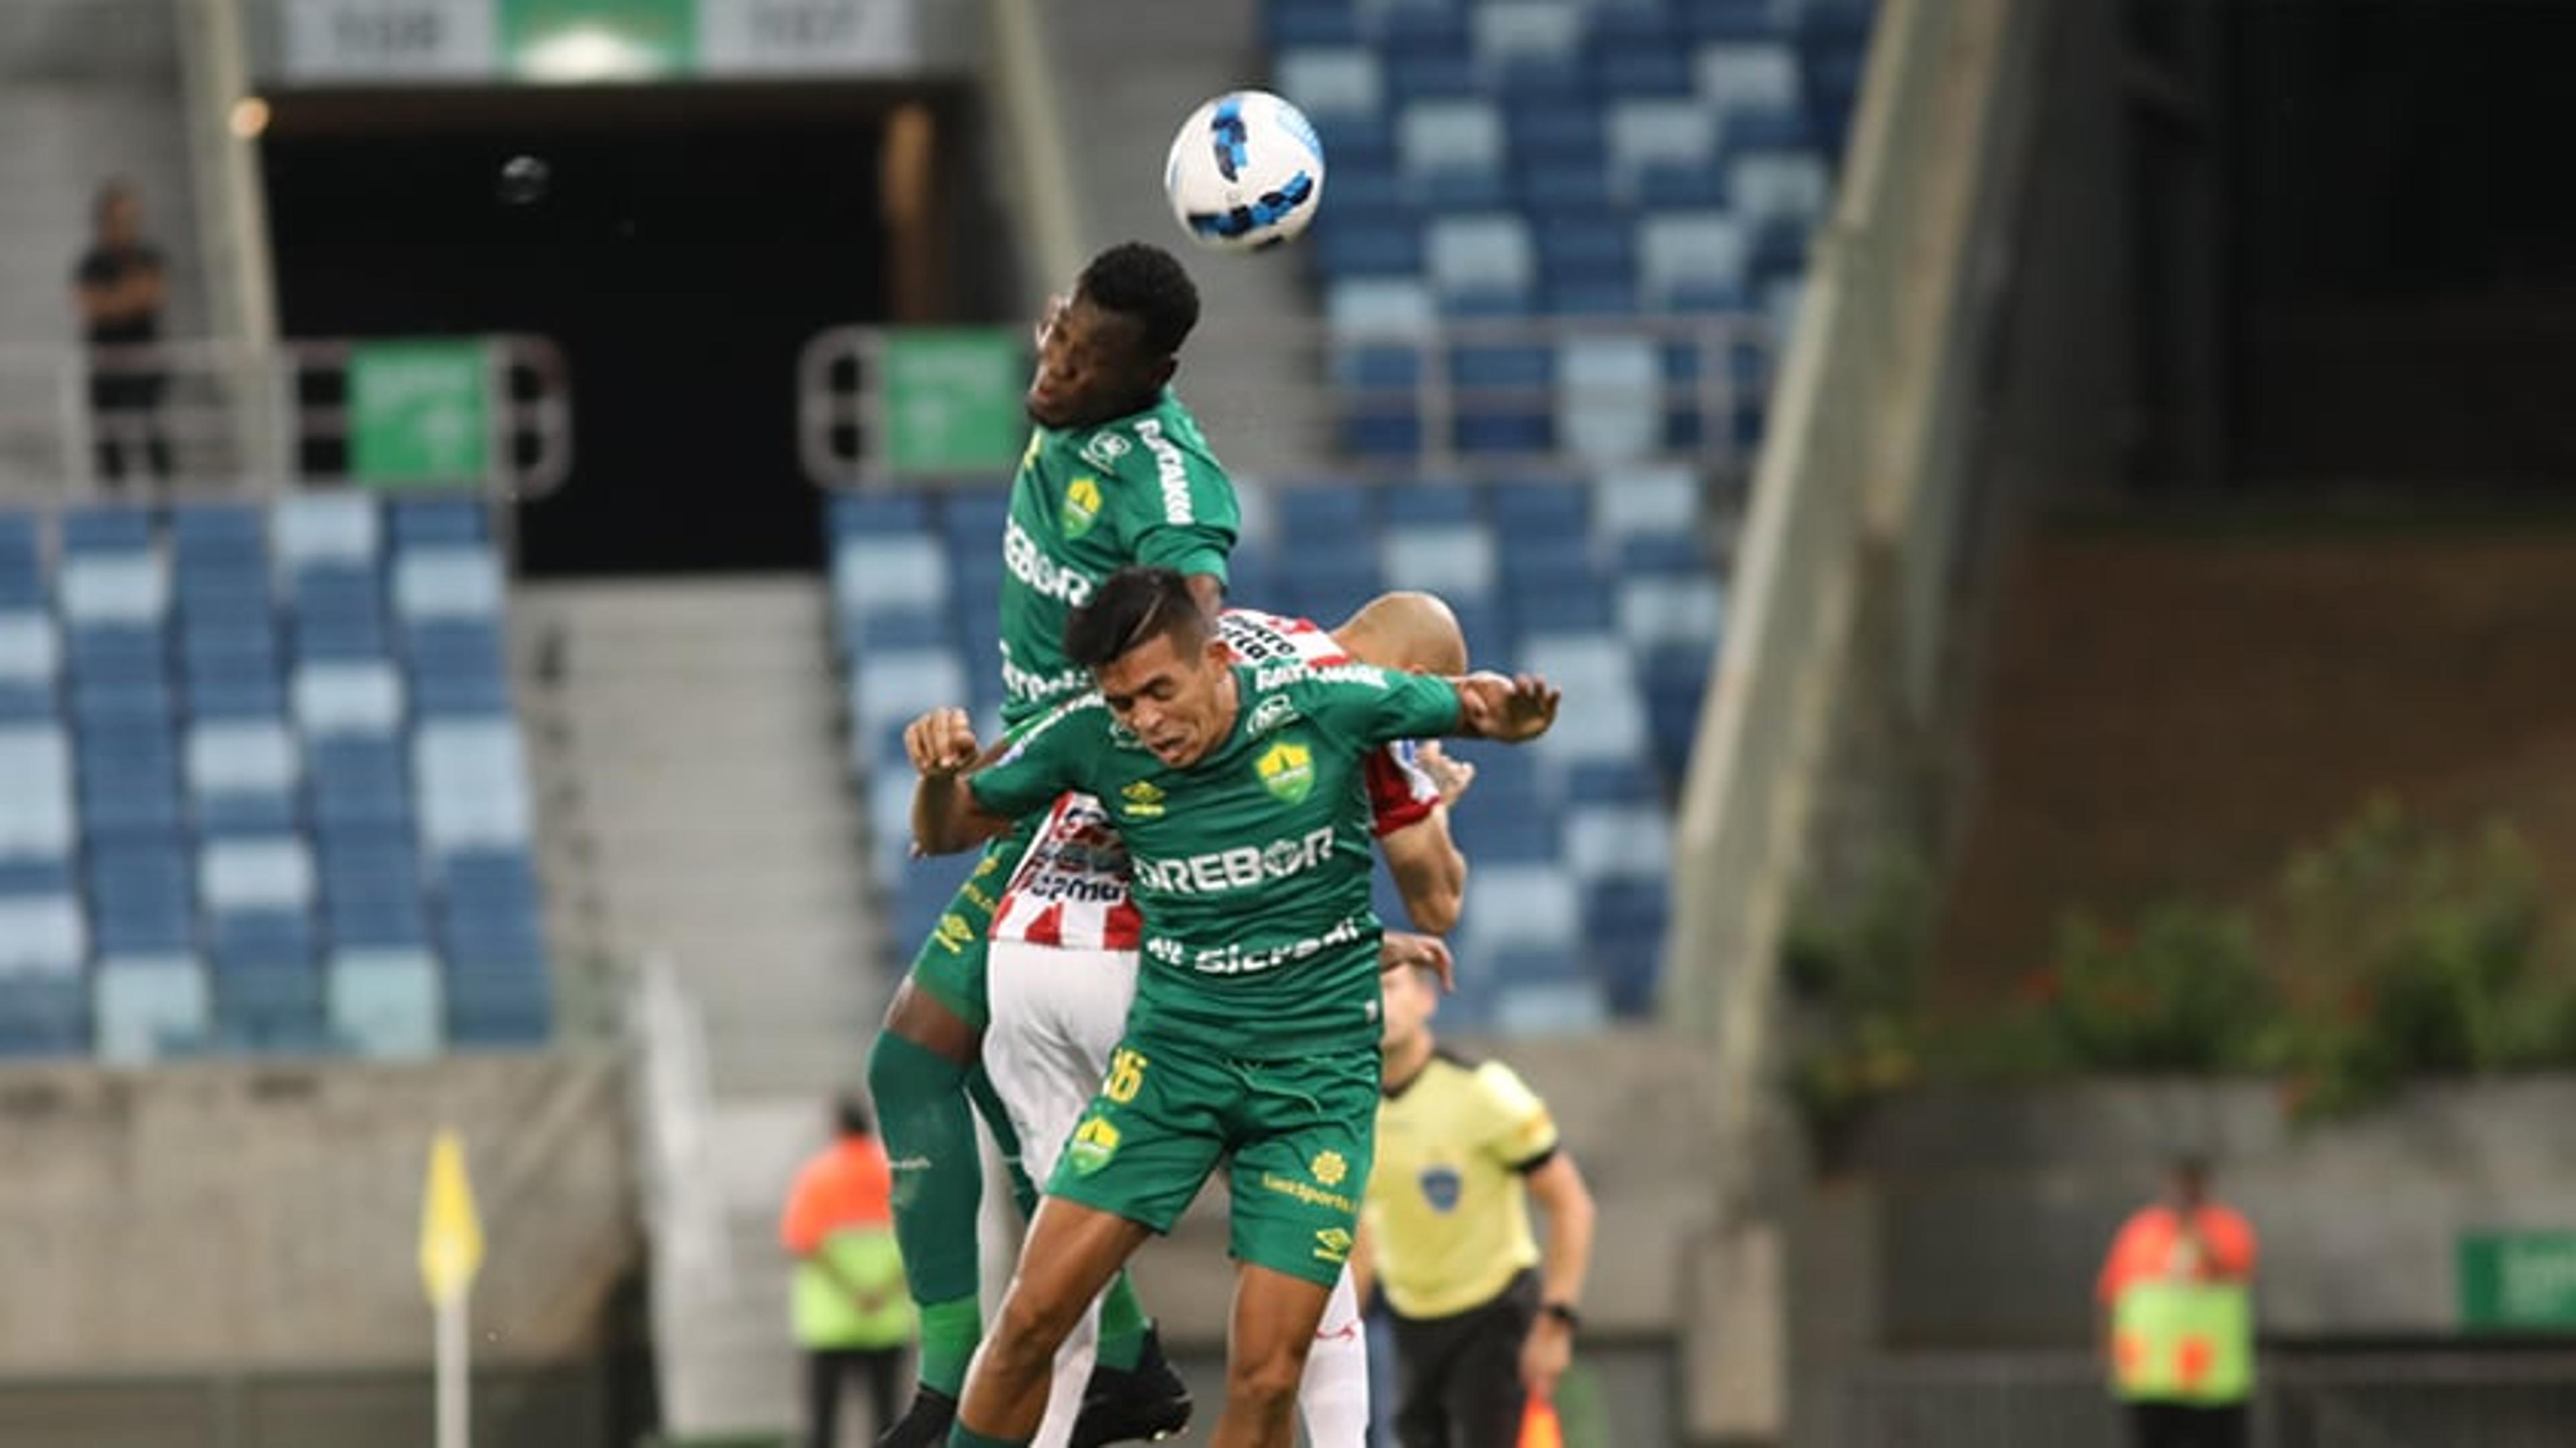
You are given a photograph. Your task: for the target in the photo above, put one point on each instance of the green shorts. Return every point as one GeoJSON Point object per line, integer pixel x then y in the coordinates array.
{"type": "Point", "coordinates": [1301, 1134]}
{"type": "Point", "coordinates": [950, 964]}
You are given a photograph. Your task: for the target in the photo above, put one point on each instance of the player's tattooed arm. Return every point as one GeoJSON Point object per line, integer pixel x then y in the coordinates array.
{"type": "Point", "coordinates": [1511, 710]}
{"type": "Point", "coordinates": [945, 817]}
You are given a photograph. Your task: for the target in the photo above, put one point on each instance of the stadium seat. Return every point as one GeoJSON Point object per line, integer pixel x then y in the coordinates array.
{"type": "Point", "coordinates": [325, 531]}
{"type": "Point", "coordinates": [388, 1004]}
{"type": "Point", "coordinates": [1481, 254]}
{"type": "Point", "coordinates": [472, 785]}
{"type": "Point", "coordinates": [115, 588]}
{"type": "Point", "coordinates": [1505, 31]}
{"type": "Point", "coordinates": [1682, 252]}
{"type": "Point", "coordinates": [446, 582]}
{"type": "Point", "coordinates": [1332, 80]}
{"type": "Point", "coordinates": [1449, 135]}
{"type": "Point", "coordinates": [1609, 405]}
{"type": "Point", "coordinates": [150, 1007]}
{"type": "Point", "coordinates": [348, 697]}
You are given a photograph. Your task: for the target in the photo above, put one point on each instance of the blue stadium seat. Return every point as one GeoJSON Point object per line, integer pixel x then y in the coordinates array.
{"type": "Point", "coordinates": [1644, 68]}
{"type": "Point", "coordinates": [442, 521]}
{"type": "Point", "coordinates": [114, 529]}
{"type": "Point", "coordinates": [389, 1004]}
{"type": "Point", "coordinates": [1314, 23]}
{"type": "Point", "coordinates": [1727, 19]}
{"type": "Point", "coordinates": [1565, 133]}
{"type": "Point", "coordinates": [150, 1007]}
{"type": "Point", "coordinates": [44, 1015]}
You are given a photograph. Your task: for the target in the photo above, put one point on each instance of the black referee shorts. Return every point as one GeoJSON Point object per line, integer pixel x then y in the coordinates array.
{"type": "Point", "coordinates": [1459, 1377]}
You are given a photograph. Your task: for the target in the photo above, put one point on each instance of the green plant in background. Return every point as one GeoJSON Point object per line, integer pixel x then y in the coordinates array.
{"type": "Point", "coordinates": [2403, 953]}
{"type": "Point", "coordinates": [2181, 992]}
{"type": "Point", "coordinates": [1858, 976]}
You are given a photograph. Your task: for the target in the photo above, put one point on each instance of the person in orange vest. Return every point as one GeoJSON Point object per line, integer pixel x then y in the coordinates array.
{"type": "Point", "coordinates": [853, 1316]}
{"type": "Point", "coordinates": [2177, 1317]}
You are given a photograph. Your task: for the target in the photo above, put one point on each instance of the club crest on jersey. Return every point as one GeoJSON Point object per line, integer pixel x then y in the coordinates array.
{"type": "Point", "coordinates": [1274, 712]}
{"type": "Point", "coordinates": [1104, 450]}
{"type": "Point", "coordinates": [1440, 1187]}
{"type": "Point", "coordinates": [1287, 770]}
{"type": "Point", "coordinates": [1094, 1142]}
{"type": "Point", "coordinates": [1081, 507]}
{"type": "Point", "coordinates": [1329, 1168]}
{"type": "Point", "coordinates": [1142, 800]}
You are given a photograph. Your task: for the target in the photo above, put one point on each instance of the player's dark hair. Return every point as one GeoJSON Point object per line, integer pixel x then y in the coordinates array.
{"type": "Point", "coordinates": [1132, 606]}
{"type": "Point", "coordinates": [1143, 281]}
{"type": "Point", "coordinates": [852, 1115]}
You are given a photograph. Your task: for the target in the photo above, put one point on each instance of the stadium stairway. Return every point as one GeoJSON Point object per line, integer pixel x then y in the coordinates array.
{"type": "Point", "coordinates": [89, 89]}
{"type": "Point", "coordinates": [682, 738]}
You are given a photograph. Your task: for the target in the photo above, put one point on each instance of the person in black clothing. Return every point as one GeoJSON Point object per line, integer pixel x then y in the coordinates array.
{"type": "Point", "coordinates": [119, 288]}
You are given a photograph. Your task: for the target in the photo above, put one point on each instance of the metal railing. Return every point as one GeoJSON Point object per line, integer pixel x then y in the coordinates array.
{"type": "Point", "coordinates": [2304, 1399]}
{"type": "Point", "coordinates": [1692, 394]}
{"type": "Point", "coordinates": [245, 419]}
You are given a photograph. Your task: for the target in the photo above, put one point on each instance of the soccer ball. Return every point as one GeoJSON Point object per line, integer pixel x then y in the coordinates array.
{"type": "Point", "coordinates": [1245, 172]}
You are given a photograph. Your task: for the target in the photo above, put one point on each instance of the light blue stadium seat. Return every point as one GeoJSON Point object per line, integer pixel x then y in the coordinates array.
{"type": "Point", "coordinates": [1782, 186]}
{"type": "Point", "coordinates": [1680, 251]}
{"type": "Point", "coordinates": [325, 530]}
{"type": "Point", "coordinates": [242, 876]}
{"type": "Point", "coordinates": [350, 697]}
{"type": "Point", "coordinates": [447, 582]}
{"type": "Point", "coordinates": [1659, 502]}
{"type": "Point", "coordinates": [150, 1007]}
{"type": "Point", "coordinates": [1659, 132]}
{"type": "Point", "coordinates": [242, 776]}
{"type": "Point", "coordinates": [878, 571]}
{"type": "Point", "coordinates": [896, 685]}
{"type": "Point", "coordinates": [1592, 667]}
{"type": "Point", "coordinates": [1679, 612]}
{"type": "Point", "coordinates": [1527, 906]}
{"type": "Point", "coordinates": [115, 588]}
{"type": "Point", "coordinates": [1618, 842]}
{"type": "Point", "coordinates": [471, 779]}
{"type": "Point", "coordinates": [1501, 31]}
{"type": "Point", "coordinates": [43, 934]}
{"type": "Point", "coordinates": [1453, 561]}
{"type": "Point", "coordinates": [1481, 254]}
{"type": "Point", "coordinates": [35, 792]}
{"type": "Point", "coordinates": [1609, 404]}
{"type": "Point", "coordinates": [1737, 78]}
{"type": "Point", "coordinates": [30, 666]}
{"type": "Point", "coordinates": [388, 1004]}
{"type": "Point", "coordinates": [1332, 81]}
{"type": "Point", "coordinates": [1449, 135]}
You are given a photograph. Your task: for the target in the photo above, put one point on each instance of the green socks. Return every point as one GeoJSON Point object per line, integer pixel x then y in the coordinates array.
{"type": "Point", "coordinates": [961, 1436]}
{"type": "Point", "coordinates": [929, 1131]}
{"type": "Point", "coordinates": [1122, 1325]}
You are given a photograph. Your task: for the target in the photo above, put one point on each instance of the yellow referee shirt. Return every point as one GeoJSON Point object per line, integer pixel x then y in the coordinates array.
{"type": "Point", "coordinates": [1447, 1209]}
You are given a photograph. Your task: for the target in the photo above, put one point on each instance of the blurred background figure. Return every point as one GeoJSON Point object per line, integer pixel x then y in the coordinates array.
{"type": "Point", "coordinates": [120, 287]}
{"type": "Point", "coordinates": [2178, 1317]}
{"type": "Point", "coordinates": [1484, 1318]}
{"type": "Point", "coordinates": [853, 1317]}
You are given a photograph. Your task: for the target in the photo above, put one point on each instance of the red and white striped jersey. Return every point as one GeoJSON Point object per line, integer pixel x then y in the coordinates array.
{"type": "Point", "coordinates": [1071, 887]}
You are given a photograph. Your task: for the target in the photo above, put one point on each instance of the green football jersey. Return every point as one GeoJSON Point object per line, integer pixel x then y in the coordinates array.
{"type": "Point", "coordinates": [1252, 865]}
{"type": "Point", "coordinates": [1087, 502]}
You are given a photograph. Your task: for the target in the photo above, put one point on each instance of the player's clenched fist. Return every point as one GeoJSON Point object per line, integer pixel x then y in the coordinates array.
{"type": "Point", "coordinates": [941, 742]}
{"type": "Point", "coordinates": [1512, 710]}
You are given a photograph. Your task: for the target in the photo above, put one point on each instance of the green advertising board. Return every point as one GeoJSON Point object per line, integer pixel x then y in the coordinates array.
{"type": "Point", "coordinates": [599, 39]}
{"type": "Point", "coordinates": [420, 413]}
{"type": "Point", "coordinates": [2518, 1281]}
{"type": "Point", "coordinates": [953, 399]}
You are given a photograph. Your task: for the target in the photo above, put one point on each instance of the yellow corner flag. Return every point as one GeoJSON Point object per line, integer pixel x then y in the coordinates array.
{"type": "Point", "coordinates": [451, 1234]}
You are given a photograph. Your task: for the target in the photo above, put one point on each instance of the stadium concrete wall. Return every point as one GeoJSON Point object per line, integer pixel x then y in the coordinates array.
{"type": "Point", "coordinates": [1982, 1216]}
{"type": "Point", "coordinates": [244, 1216]}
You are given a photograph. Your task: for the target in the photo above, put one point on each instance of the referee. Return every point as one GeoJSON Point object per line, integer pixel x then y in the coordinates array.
{"type": "Point", "coordinates": [1484, 1319]}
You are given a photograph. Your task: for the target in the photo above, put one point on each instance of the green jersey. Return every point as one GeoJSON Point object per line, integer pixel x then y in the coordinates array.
{"type": "Point", "coordinates": [1086, 503]}
{"type": "Point", "coordinates": [1251, 867]}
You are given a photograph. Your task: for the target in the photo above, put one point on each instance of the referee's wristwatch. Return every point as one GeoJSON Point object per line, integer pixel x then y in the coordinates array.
{"type": "Point", "coordinates": [1563, 1312]}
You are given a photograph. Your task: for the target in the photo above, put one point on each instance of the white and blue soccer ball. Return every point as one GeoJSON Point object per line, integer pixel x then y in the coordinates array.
{"type": "Point", "coordinates": [1245, 172]}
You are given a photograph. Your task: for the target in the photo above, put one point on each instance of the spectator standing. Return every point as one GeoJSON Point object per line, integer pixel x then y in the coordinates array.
{"type": "Point", "coordinates": [120, 287]}
{"type": "Point", "coordinates": [2177, 1317]}
{"type": "Point", "coordinates": [853, 1316]}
